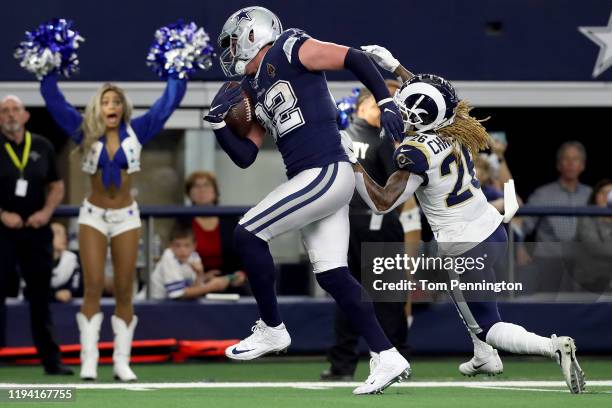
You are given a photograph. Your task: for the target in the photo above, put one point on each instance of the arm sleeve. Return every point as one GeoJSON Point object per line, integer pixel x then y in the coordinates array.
{"type": "Point", "coordinates": [364, 69]}
{"type": "Point", "coordinates": [152, 122]}
{"type": "Point", "coordinates": [63, 113]}
{"type": "Point", "coordinates": [241, 150]}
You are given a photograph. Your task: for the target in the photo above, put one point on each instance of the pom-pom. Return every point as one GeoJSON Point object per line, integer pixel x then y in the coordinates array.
{"type": "Point", "coordinates": [51, 47]}
{"type": "Point", "coordinates": [179, 49]}
{"type": "Point", "coordinates": [346, 107]}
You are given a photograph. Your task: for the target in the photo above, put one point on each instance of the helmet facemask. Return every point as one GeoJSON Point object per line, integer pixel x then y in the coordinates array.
{"type": "Point", "coordinates": [245, 33]}
{"type": "Point", "coordinates": [416, 118]}
{"type": "Point", "coordinates": [238, 50]}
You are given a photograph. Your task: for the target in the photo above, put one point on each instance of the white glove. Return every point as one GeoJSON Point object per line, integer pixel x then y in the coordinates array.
{"type": "Point", "coordinates": [347, 145]}
{"type": "Point", "coordinates": [381, 56]}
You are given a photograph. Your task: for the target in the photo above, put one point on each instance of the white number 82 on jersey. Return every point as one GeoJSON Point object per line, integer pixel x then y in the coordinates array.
{"type": "Point", "coordinates": [279, 113]}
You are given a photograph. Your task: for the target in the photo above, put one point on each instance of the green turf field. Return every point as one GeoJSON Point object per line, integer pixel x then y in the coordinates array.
{"type": "Point", "coordinates": [291, 382]}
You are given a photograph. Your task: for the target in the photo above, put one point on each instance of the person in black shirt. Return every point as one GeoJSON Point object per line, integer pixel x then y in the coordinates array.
{"type": "Point", "coordinates": [30, 190]}
{"type": "Point", "coordinates": [376, 155]}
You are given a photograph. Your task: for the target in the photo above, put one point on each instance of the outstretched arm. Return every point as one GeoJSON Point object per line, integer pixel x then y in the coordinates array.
{"type": "Point", "coordinates": [152, 122]}
{"type": "Point", "coordinates": [399, 187]}
{"type": "Point", "coordinates": [387, 61]}
{"type": "Point", "coordinates": [316, 55]}
{"type": "Point", "coordinates": [63, 113]}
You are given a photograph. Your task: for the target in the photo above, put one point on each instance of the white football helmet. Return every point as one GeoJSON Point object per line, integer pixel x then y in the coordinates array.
{"type": "Point", "coordinates": [245, 33]}
{"type": "Point", "coordinates": [427, 102]}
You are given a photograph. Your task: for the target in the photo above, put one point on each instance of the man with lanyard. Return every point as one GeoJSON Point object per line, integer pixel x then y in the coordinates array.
{"type": "Point", "coordinates": [30, 190]}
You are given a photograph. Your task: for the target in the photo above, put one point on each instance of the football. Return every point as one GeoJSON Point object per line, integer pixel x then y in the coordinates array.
{"type": "Point", "coordinates": [240, 117]}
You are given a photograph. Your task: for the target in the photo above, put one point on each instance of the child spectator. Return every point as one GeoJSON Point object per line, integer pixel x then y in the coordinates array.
{"type": "Point", "coordinates": [179, 274]}
{"type": "Point", "coordinates": [66, 275]}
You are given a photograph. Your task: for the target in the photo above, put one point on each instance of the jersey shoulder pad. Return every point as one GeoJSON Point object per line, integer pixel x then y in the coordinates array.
{"type": "Point", "coordinates": [412, 156]}
{"type": "Point", "coordinates": [292, 39]}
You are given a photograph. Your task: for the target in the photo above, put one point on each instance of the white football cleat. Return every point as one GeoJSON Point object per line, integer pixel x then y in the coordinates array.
{"type": "Point", "coordinates": [565, 354]}
{"type": "Point", "coordinates": [490, 365]}
{"type": "Point", "coordinates": [264, 340]}
{"type": "Point", "coordinates": [386, 368]}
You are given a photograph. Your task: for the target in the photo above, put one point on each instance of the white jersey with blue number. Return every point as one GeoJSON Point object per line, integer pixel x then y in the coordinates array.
{"type": "Point", "coordinates": [450, 196]}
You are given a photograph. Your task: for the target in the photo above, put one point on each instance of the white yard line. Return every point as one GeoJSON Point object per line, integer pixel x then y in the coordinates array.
{"type": "Point", "coordinates": [309, 385]}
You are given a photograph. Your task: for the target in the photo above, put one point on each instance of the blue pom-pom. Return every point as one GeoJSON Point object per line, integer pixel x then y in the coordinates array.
{"type": "Point", "coordinates": [346, 108]}
{"type": "Point", "coordinates": [179, 49]}
{"type": "Point", "coordinates": [51, 47]}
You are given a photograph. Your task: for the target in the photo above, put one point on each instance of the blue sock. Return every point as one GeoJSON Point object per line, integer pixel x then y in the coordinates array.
{"type": "Point", "coordinates": [259, 267]}
{"type": "Point", "coordinates": [347, 292]}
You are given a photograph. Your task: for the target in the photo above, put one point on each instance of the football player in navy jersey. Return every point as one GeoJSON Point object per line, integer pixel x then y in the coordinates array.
{"type": "Point", "coordinates": [284, 73]}
{"type": "Point", "coordinates": [435, 162]}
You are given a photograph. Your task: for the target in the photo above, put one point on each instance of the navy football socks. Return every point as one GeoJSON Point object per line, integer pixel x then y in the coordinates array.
{"type": "Point", "coordinates": [347, 292]}
{"type": "Point", "coordinates": [259, 267]}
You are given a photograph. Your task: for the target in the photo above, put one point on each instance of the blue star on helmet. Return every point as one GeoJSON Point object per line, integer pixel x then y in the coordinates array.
{"type": "Point", "coordinates": [243, 15]}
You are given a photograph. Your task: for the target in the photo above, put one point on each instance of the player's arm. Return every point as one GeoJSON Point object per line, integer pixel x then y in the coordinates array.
{"type": "Point", "coordinates": [242, 150]}
{"type": "Point", "coordinates": [399, 187]}
{"type": "Point", "coordinates": [387, 61]}
{"type": "Point", "coordinates": [317, 55]}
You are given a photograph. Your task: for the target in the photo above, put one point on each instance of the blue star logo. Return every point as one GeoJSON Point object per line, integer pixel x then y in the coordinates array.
{"type": "Point", "coordinates": [243, 15]}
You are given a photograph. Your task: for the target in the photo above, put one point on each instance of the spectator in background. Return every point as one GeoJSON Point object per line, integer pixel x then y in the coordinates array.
{"type": "Point", "coordinates": [66, 277]}
{"type": "Point", "coordinates": [179, 274]}
{"type": "Point", "coordinates": [566, 191]}
{"type": "Point", "coordinates": [30, 190]}
{"type": "Point", "coordinates": [214, 235]}
{"type": "Point", "coordinates": [594, 254]}
{"type": "Point", "coordinates": [551, 265]}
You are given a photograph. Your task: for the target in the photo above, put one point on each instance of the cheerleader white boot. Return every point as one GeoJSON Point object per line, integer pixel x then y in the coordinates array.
{"type": "Point", "coordinates": [90, 334]}
{"type": "Point", "coordinates": [122, 348]}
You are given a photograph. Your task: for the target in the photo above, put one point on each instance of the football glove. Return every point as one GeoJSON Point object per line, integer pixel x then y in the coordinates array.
{"type": "Point", "coordinates": [222, 103]}
{"type": "Point", "coordinates": [382, 57]}
{"type": "Point", "coordinates": [391, 119]}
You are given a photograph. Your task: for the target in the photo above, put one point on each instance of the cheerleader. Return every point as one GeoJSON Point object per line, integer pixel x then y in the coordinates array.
{"type": "Point", "coordinates": [111, 142]}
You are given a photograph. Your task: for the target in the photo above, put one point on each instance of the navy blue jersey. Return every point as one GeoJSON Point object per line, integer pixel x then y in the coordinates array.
{"type": "Point", "coordinates": [295, 106]}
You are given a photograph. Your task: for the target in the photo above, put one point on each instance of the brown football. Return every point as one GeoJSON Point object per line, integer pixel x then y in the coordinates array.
{"type": "Point", "coordinates": [241, 116]}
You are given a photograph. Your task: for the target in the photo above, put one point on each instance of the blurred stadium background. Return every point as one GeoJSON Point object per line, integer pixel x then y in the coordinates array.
{"type": "Point", "coordinates": [524, 63]}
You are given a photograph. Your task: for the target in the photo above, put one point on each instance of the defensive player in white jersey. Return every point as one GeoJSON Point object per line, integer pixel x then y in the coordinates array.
{"type": "Point", "coordinates": [434, 161]}
{"type": "Point", "coordinates": [284, 73]}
